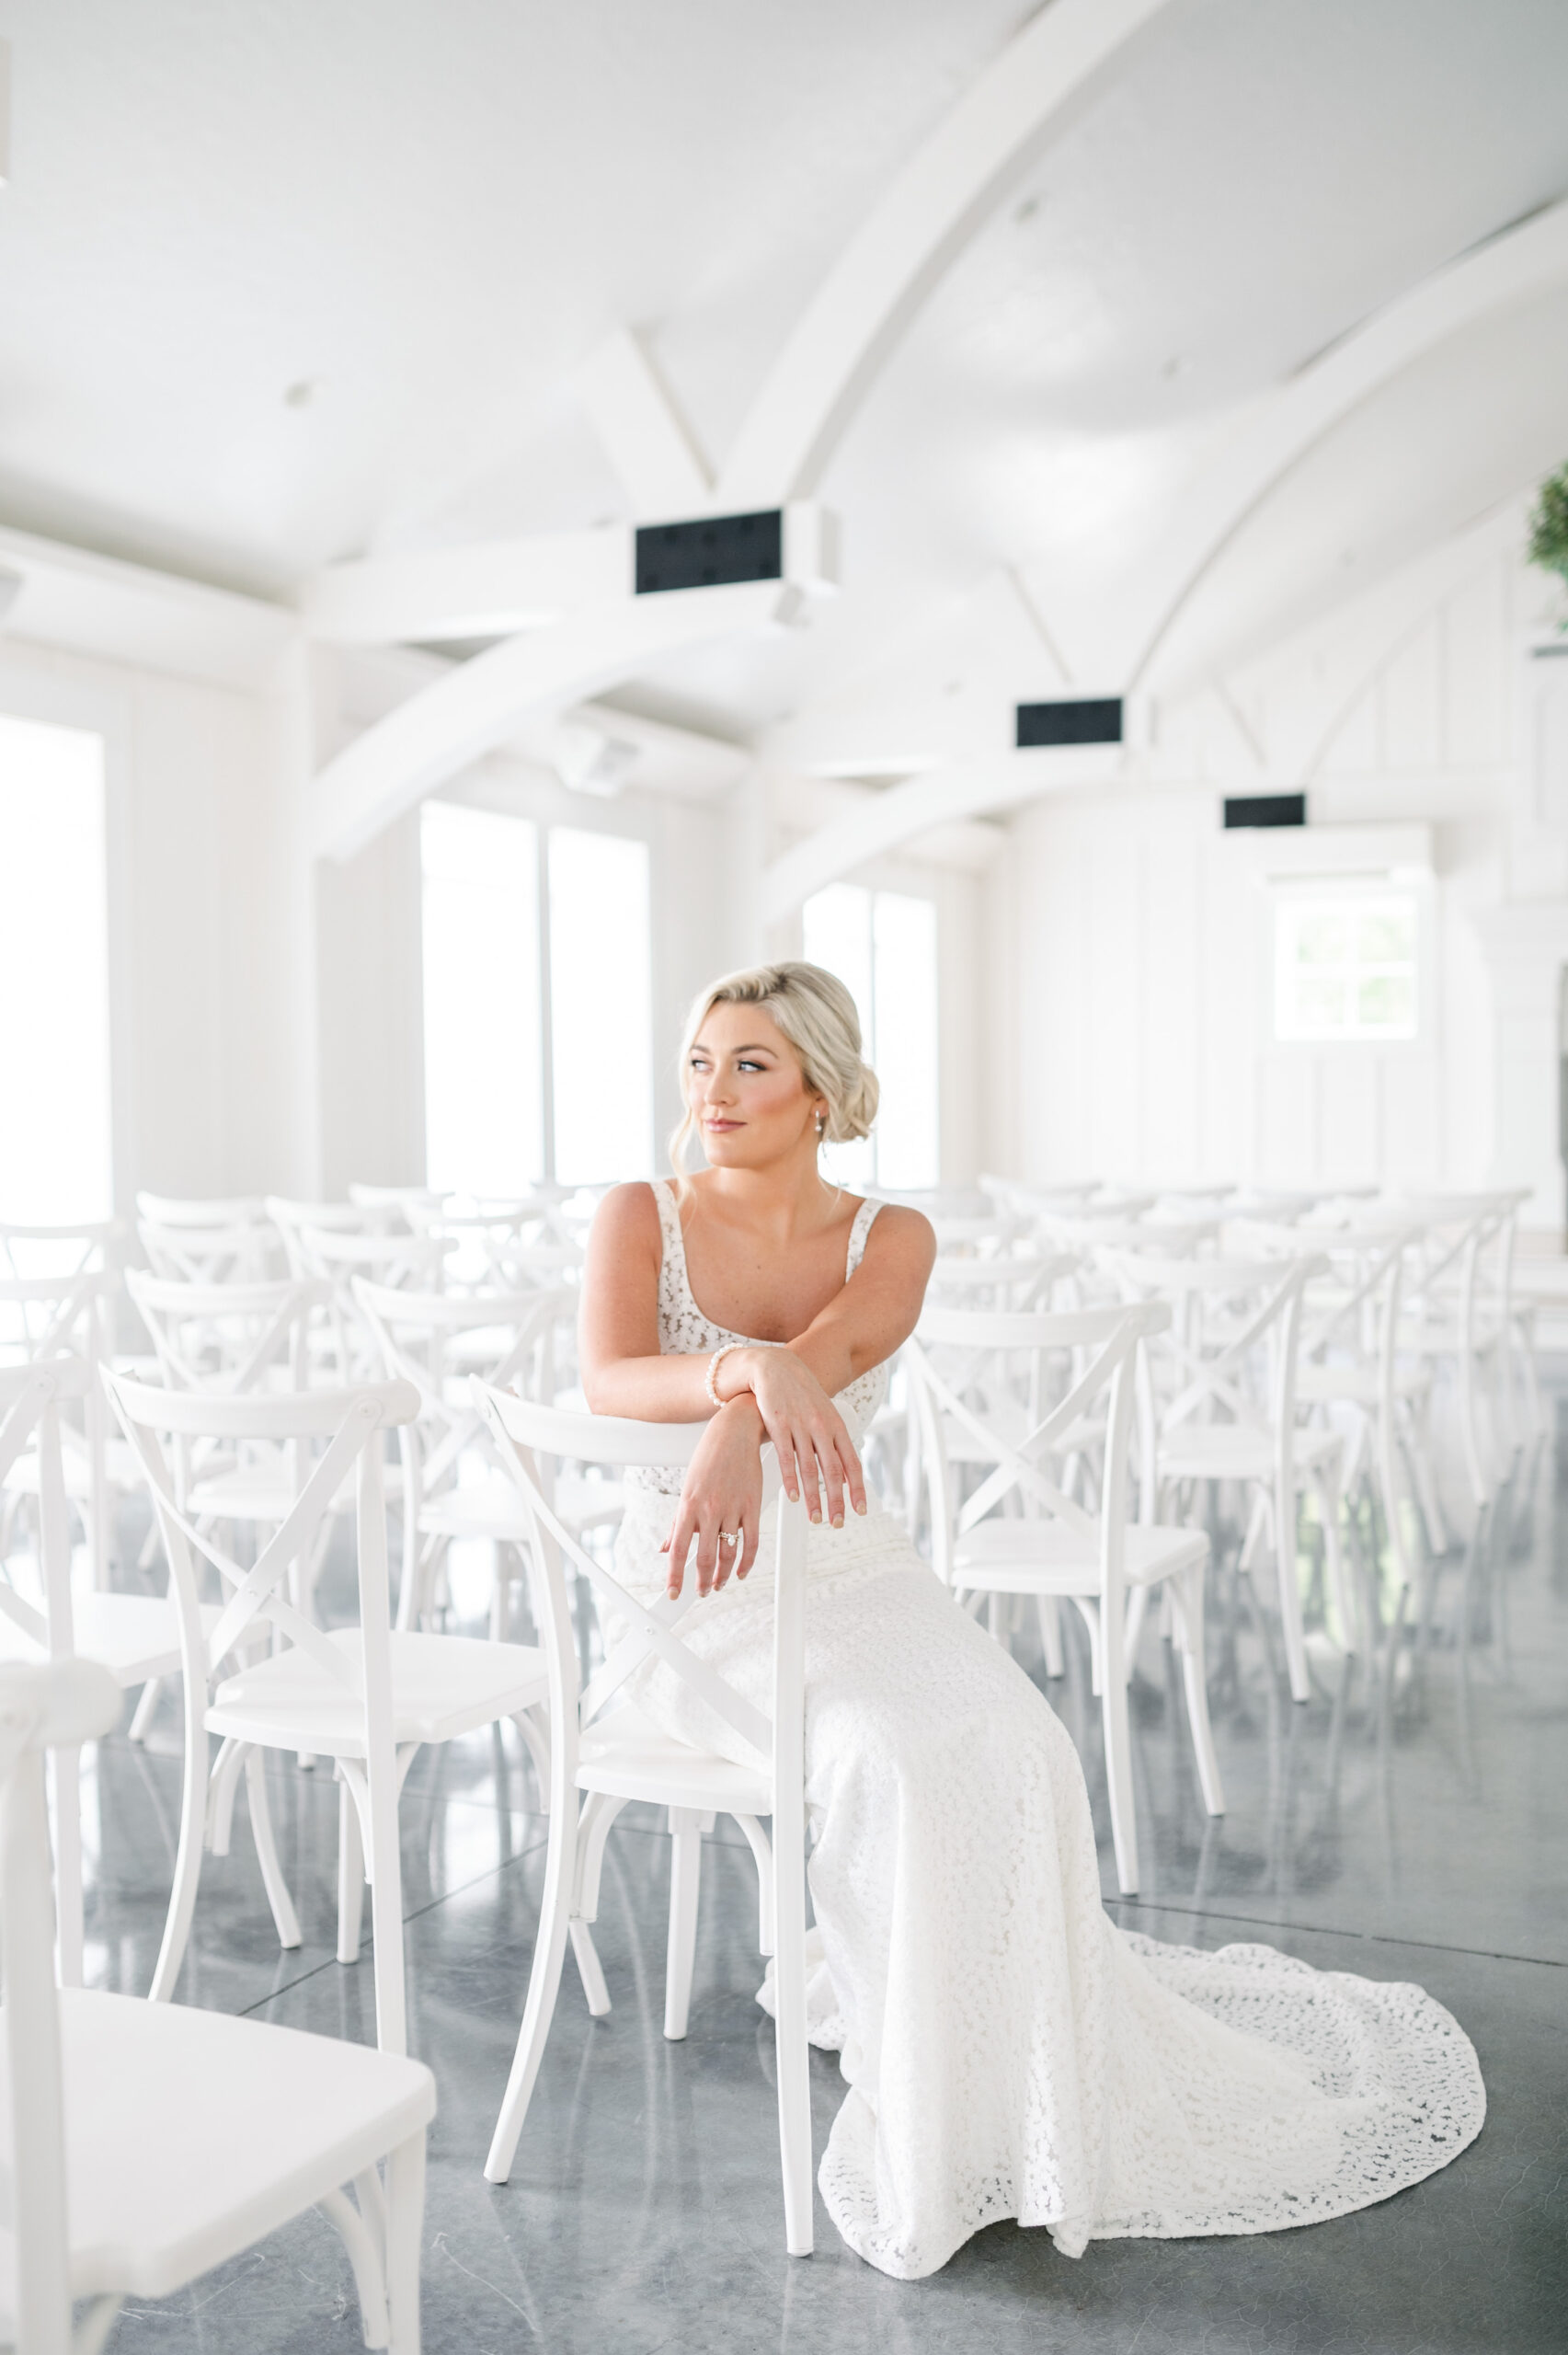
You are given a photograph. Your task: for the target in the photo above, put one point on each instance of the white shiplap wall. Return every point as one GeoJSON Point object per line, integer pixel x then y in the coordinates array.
{"type": "Point", "coordinates": [1131, 936]}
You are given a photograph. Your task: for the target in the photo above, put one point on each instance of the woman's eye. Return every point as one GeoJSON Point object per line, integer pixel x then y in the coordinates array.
{"type": "Point", "coordinates": [745, 1066]}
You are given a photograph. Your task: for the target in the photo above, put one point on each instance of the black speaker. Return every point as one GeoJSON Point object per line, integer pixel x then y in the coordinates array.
{"type": "Point", "coordinates": [1267, 810]}
{"type": "Point", "coordinates": [711, 554]}
{"type": "Point", "coordinates": [1082, 722]}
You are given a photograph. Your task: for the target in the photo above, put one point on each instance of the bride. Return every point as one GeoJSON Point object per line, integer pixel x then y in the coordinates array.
{"type": "Point", "coordinates": [1009, 2051]}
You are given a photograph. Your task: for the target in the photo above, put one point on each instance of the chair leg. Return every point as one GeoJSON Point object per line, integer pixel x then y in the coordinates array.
{"type": "Point", "coordinates": [1136, 1611]}
{"type": "Point", "coordinates": [1118, 1778]}
{"type": "Point", "coordinates": [1469, 1431]}
{"type": "Point", "coordinates": [350, 1877]}
{"type": "Point", "coordinates": [544, 1985]}
{"type": "Point", "coordinates": [685, 1881]}
{"type": "Point", "coordinates": [146, 1710]}
{"type": "Point", "coordinates": [1051, 1634]}
{"type": "Point", "coordinates": [537, 1739]}
{"type": "Point", "coordinates": [791, 2051]}
{"type": "Point", "coordinates": [1290, 1592]}
{"type": "Point", "coordinates": [273, 1879]}
{"type": "Point", "coordinates": [590, 1970]}
{"type": "Point", "coordinates": [188, 1862]}
{"type": "Point", "coordinates": [1187, 1593]}
{"type": "Point", "coordinates": [404, 2234]}
{"type": "Point", "coordinates": [1423, 1480]}
{"type": "Point", "coordinates": [1328, 1493]}
{"type": "Point", "coordinates": [66, 1777]}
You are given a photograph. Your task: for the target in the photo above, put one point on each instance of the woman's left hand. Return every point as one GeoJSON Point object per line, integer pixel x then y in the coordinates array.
{"type": "Point", "coordinates": [721, 1498]}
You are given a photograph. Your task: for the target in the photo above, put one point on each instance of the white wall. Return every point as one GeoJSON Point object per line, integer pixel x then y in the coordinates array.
{"type": "Point", "coordinates": [196, 856]}
{"type": "Point", "coordinates": [1128, 937]}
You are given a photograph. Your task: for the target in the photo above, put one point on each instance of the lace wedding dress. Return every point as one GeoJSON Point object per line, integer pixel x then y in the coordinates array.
{"type": "Point", "coordinates": [1009, 2051]}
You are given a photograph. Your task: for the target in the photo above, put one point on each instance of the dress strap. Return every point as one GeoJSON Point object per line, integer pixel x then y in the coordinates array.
{"type": "Point", "coordinates": [858, 1234]}
{"type": "Point", "coordinates": [674, 1242]}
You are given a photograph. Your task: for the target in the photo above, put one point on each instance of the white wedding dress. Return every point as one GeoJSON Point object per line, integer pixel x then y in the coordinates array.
{"type": "Point", "coordinates": [1009, 2051]}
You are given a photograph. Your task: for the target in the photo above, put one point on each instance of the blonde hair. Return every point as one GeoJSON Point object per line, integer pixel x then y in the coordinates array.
{"type": "Point", "coordinates": [816, 1015]}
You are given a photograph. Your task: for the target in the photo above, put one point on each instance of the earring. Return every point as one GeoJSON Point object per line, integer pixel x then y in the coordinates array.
{"type": "Point", "coordinates": [822, 1126]}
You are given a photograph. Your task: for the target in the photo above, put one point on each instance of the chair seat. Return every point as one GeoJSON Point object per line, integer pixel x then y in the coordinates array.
{"type": "Point", "coordinates": [1049, 1558]}
{"type": "Point", "coordinates": [121, 1469]}
{"type": "Point", "coordinates": [253, 1492]}
{"type": "Point", "coordinates": [1361, 1385]}
{"type": "Point", "coordinates": [628, 1756]}
{"type": "Point", "coordinates": [190, 2134]}
{"type": "Point", "coordinates": [136, 1637]}
{"type": "Point", "coordinates": [494, 1508]}
{"type": "Point", "coordinates": [1442, 1337]}
{"type": "Point", "coordinates": [441, 1686]}
{"type": "Point", "coordinates": [1238, 1451]}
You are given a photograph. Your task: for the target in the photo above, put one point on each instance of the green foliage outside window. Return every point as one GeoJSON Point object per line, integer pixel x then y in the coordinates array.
{"type": "Point", "coordinates": [1549, 525]}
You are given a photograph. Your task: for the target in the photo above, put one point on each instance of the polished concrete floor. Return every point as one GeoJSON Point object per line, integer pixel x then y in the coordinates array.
{"type": "Point", "coordinates": [1415, 1831]}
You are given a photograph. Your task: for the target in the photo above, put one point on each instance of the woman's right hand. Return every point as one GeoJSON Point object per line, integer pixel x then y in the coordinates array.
{"type": "Point", "coordinates": [809, 1435]}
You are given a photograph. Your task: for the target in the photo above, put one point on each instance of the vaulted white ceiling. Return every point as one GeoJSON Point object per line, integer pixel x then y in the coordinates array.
{"type": "Point", "coordinates": [283, 282]}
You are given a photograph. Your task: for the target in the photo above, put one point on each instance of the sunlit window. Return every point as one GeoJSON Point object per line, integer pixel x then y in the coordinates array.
{"type": "Point", "coordinates": [883, 946]}
{"type": "Point", "coordinates": [1345, 967]}
{"type": "Point", "coordinates": [498, 1115]}
{"type": "Point", "coordinates": [484, 1130]}
{"type": "Point", "coordinates": [56, 1153]}
{"type": "Point", "coordinates": [600, 1010]}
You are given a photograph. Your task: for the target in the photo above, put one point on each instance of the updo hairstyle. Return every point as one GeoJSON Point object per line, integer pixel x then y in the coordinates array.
{"type": "Point", "coordinates": [816, 1015]}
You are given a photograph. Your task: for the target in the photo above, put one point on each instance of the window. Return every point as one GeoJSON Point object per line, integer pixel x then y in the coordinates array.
{"type": "Point", "coordinates": [499, 1113]}
{"type": "Point", "coordinates": [56, 1152]}
{"type": "Point", "coordinates": [600, 1009]}
{"type": "Point", "coordinates": [483, 1102]}
{"type": "Point", "coordinates": [1345, 967]}
{"type": "Point", "coordinates": [883, 946]}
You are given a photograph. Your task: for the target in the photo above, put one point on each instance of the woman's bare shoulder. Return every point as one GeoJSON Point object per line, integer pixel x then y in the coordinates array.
{"type": "Point", "coordinates": [628, 1215]}
{"type": "Point", "coordinates": [903, 1234]}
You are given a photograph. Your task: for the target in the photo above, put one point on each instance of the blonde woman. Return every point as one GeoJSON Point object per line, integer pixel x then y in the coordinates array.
{"type": "Point", "coordinates": [1009, 2051]}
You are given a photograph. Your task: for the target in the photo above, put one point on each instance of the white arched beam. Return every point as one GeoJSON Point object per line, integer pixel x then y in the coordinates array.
{"type": "Point", "coordinates": [887, 820]}
{"type": "Point", "coordinates": [1511, 268]}
{"type": "Point", "coordinates": [648, 442]}
{"type": "Point", "coordinates": [890, 266]}
{"type": "Point", "coordinates": [459, 718]}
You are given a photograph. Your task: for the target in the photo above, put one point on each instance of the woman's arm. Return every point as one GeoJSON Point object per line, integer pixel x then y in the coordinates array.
{"type": "Point", "coordinates": [781, 1393]}
{"type": "Point", "coordinates": [622, 1371]}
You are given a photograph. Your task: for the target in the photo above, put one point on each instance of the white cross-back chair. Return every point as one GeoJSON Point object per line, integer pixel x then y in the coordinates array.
{"type": "Point", "coordinates": [1349, 1356]}
{"type": "Point", "coordinates": [437, 1341]}
{"type": "Point", "coordinates": [406, 1203]}
{"type": "Point", "coordinates": [1458, 1294]}
{"type": "Point", "coordinates": [230, 1240]}
{"type": "Point", "coordinates": [365, 1696]}
{"type": "Point", "coordinates": [148, 2144]}
{"type": "Point", "coordinates": [289, 1216]}
{"type": "Point", "coordinates": [67, 1315]}
{"type": "Point", "coordinates": [1224, 1408]}
{"type": "Point", "coordinates": [602, 1759]}
{"type": "Point", "coordinates": [233, 1341]}
{"type": "Point", "coordinates": [1020, 1531]}
{"type": "Point", "coordinates": [134, 1637]}
{"type": "Point", "coordinates": [338, 1258]}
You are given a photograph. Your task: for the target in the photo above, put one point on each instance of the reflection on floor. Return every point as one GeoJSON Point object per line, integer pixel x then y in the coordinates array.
{"type": "Point", "coordinates": [1416, 1833]}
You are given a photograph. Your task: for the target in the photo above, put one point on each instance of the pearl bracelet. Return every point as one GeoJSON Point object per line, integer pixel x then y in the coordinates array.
{"type": "Point", "coordinates": [721, 1351]}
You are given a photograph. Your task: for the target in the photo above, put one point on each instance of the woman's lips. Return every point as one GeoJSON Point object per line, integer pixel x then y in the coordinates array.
{"type": "Point", "coordinates": [724, 1124]}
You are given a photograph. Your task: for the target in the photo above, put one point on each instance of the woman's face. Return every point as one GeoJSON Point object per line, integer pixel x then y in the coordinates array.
{"type": "Point", "coordinates": [746, 1091]}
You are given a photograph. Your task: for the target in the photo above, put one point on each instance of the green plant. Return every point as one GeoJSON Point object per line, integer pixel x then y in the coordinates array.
{"type": "Point", "coordinates": [1549, 524]}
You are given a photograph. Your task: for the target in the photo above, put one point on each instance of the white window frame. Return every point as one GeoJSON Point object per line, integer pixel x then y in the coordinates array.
{"type": "Point", "coordinates": [1327, 892]}
{"type": "Point", "coordinates": [547, 811]}
{"type": "Point", "coordinates": [100, 711]}
{"type": "Point", "coordinates": [902, 881]}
